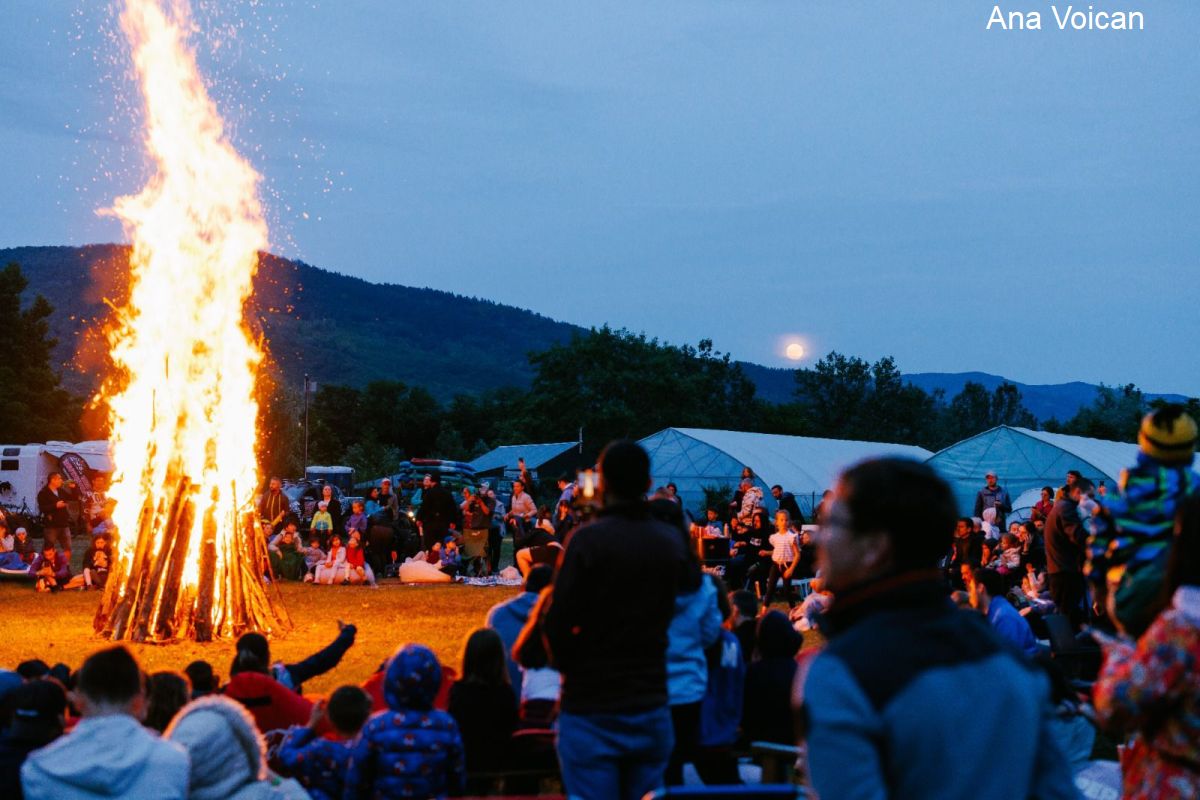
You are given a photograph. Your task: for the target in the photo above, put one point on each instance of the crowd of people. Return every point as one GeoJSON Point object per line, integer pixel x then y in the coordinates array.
{"type": "Point", "coordinates": [626, 658]}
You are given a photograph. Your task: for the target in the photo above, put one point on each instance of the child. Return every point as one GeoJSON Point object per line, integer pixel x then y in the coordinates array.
{"type": "Point", "coordinates": [1133, 531]}
{"type": "Point", "coordinates": [415, 750]}
{"type": "Point", "coordinates": [6, 538]}
{"type": "Point", "coordinates": [96, 561]}
{"type": "Point", "coordinates": [785, 555]}
{"type": "Point", "coordinates": [322, 521]}
{"type": "Point", "coordinates": [358, 520]}
{"type": "Point", "coordinates": [23, 547]}
{"type": "Point", "coordinates": [52, 570]}
{"type": "Point", "coordinates": [319, 763]}
{"type": "Point", "coordinates": [449, 559]}
{"type": "Point", "coordinates": [286, 554]}
{"type": "Point", "coordinates": [333, 563]}
{"type": "Point", "coordinates": [313, 556]}
{"type": "Point", "coordinates": [356, 571]}
{"type": "Point", "coordinates": [1009, 558]}
{"type": "Point", "coordinates": [817, 603]}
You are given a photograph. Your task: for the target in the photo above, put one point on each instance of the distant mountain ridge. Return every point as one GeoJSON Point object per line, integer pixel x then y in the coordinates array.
{"type": "Point", "coordinates": [341, 329]}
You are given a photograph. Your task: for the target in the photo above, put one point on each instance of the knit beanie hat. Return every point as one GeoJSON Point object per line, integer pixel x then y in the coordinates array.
{"type": "Point", "coordinates": [1168, 435]}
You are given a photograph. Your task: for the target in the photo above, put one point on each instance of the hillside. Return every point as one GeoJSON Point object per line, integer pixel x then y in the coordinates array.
{"type": "Point", "coordinates": [341, 329]}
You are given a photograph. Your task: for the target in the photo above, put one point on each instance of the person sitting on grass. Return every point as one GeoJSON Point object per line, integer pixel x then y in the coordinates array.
{"type": "Point", "coordinates": [287, 553]}
{"type": "Point", "coordinates": [166, 693]}
{"type": "Point", "coordinates": [313, 557]}
{"type": "Point", "coordinates": [294, 676]}
{"type": "Point", "coordinates": [227, 753]}
{"type": "Point", "coordinates": [484, 705]}
{"type": "Point", "coordinates": [109, 753]}
{"type": "Point", "coordinates": [202, 678]}
{"type": "Point", "coordinates": [319, 762]}
{"type": "Point", "coordinates": [96, 561]}
{"type": "Point", "coordinates": [6, 538]}
{"type": "Point", "coordinates": [53, 571]}
{"type": "Point", "coordinates": [38, 716]}
{"type": "Point", "coordinates": [356, 562]}
{"type": "Point", "coordinates": [446, 555]}
{"type": "Point", "coordinates": [23, 547]}
{"type": "Point", "coordinates": [987, 597]}
{"type": "Point", "coordinates": [413, 750]}
{"type": "Point", "coordinates": [334, 564]}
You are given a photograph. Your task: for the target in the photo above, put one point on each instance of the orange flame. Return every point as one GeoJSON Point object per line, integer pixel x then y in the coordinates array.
{"type": "Point", "coordinates": [185, 413]}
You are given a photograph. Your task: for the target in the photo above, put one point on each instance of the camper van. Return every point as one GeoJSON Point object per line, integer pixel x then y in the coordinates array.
{"type": "Point", "coordinates": [25, 468]}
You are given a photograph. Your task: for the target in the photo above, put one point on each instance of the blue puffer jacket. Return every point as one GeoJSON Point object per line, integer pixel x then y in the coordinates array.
{"type": "Point", "coordinates": [412, 750]}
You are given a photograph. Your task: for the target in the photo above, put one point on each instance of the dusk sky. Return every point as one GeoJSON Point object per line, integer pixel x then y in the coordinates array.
{"type": "Point", "coordinates": [876, 177]}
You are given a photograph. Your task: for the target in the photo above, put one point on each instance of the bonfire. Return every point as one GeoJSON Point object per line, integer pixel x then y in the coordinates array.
{"type": "Point", "coordinates": [189, 556]}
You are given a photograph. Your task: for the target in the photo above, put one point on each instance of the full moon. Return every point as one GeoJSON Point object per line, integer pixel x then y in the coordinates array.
{"type": "Point", "coordinates": [795, 351]}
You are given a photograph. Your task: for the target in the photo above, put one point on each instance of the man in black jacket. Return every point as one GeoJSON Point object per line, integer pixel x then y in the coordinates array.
{"type": "Point", "coordinates": [787, 502]}
{"type": "Point", "coordinates": [1065, 538]}
{"type": "Point", "coordinates": [604, 623]}
{"type": "Point", "coordinates": [438, 512]}
{"type": "Point", "coordinates": [52, 502]}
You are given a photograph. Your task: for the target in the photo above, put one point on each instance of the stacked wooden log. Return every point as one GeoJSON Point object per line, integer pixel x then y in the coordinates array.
{"type": "Point", "coordinates": [149, 597]}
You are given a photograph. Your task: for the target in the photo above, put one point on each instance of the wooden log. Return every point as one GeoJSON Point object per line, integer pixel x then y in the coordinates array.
{"type": "Point", "coordinates": [203, 620]}
{"type": "Point", "coordinates": [166, 618]}
{"type": "Point", "coordinates": [148, 599]}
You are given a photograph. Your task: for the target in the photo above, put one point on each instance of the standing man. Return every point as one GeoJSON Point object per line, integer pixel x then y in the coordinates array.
{"type": "Point", "coordinates": [273, 506]}
{"type": "Point", "coordinates": [389, 501]}
{"type": "Point", "coordinates": [52, 502]}
{"type": "Point", "coordinates": [566, 488]}
{"type": "Point", "coordinates": [1065, 538]}
{"type": "Point", "coordinates": [787, 502]}
{"type": "Point", "coordinates": [993, 495]}
{"type": "Point", "coordinates": [604, 622]}
{"type": "Point", "coordinates": [877, 706]}
{"type": "Point", "coordinates": [438, 512]}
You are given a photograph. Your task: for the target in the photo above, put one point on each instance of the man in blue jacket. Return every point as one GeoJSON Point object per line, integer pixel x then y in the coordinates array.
{"type": "Point", "coordinates": [911, 697]}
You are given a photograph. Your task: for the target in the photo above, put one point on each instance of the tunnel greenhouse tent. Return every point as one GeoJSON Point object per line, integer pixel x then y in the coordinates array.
{"type": "Point", "coordinates": [1025, 459]}
{"type": "Point", "coordinates": [693, 458]}
{"type": "Point", "coordinates": [543, 461]}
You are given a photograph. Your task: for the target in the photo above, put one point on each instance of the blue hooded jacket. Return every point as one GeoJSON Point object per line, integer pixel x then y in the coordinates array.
{"type": "Point", "coordinates": [410, 750]}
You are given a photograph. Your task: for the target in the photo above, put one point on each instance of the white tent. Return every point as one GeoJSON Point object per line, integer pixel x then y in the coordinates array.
{"type": "Point", "coordinates": [693, 458]}
{"type": "Point", "coordinates": [1025, 459]}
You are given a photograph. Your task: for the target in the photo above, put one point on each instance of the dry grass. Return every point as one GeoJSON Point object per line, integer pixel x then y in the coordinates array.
{"type": "Point", "coordinates": [59, 627]}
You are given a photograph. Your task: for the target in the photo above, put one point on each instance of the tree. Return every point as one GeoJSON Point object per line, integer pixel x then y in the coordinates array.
{"type": "Point", "coordinates": [975, 410]}
{"type": "Point", "coordinates": [616, 384]}
{"type": "Point", "coordinates": [1115, 414]}
{"type": "Point", "coordinates": [33, 406]}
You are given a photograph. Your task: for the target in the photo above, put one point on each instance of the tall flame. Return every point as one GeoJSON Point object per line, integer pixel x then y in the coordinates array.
{"type": "Point", "coordinates": [183, 411]}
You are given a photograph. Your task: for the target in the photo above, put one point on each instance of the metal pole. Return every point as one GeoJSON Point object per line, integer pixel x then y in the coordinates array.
{"type": "Point", "coordinates": [305, 425]}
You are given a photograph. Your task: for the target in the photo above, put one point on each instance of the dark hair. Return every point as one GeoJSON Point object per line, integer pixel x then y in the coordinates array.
{"type": "Point", "coordinates": [1076, 473]}
{"type": "Point", "coordinates": [906, 500]}
{"type": "Point", "coordinates": [255, 643]}
{"type": "Point", "coordinates": [167, 692]}
{"type": "Point", "coordinates": [1049, 489]}
{"type": "Point", "coordinates": [483, 658]}
{"type": "Point", "coordinates": [349, 707]}
{"type": "Point", "coordinates": [970, 522]}
{"type": "Point", "coordinates": [539, 578]}
{"type": "Point", "coordinates": [745, 602]}
{"type": "Point", "coordinates": [1084, 485]}
{"type": "Point", "coordinates": [373, 493]}
{"type": "Point", "coordinates": [33, 669]}
{"type": "Point", "coordinates": [111, 677]}
{"type": "Point", "coordinates": [202, 677]}
{"type": "Point", "coordinates": [990, 580]}
{"type": "Point", "coordinates": [625, 468]}
{"type": "Point", "coordinates": [777, 486]}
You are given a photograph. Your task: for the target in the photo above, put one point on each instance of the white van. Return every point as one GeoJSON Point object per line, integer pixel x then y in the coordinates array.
{"type": "Point", "coordinates": [25, 468]}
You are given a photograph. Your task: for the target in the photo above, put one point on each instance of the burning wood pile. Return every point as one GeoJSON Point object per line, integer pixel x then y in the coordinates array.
{"type": "Point", "coordinates": [189, 557]}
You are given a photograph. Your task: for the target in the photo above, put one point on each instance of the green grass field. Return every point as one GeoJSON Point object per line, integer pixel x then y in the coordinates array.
{"type": "Point", "coordinates": [59, 627]}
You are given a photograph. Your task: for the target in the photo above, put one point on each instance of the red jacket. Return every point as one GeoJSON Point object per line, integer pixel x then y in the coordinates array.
{"type": "Point", "coordinates": [273, 705]}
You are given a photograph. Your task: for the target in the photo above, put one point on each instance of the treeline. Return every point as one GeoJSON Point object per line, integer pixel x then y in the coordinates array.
{"type": "Point", "coordinates": [604, 383]}
{"type": "Point", "coordinates": [612, 383]}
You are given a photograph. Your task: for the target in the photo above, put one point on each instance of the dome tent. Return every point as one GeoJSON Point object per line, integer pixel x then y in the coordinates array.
{"type": "Point", "coordinates": [693, 458]}
{"type": "Point", "coordinates": [1024, 459]}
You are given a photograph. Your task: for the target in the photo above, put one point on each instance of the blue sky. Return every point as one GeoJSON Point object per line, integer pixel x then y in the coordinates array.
{"type": "Point", "coordinates": [879, 178]}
